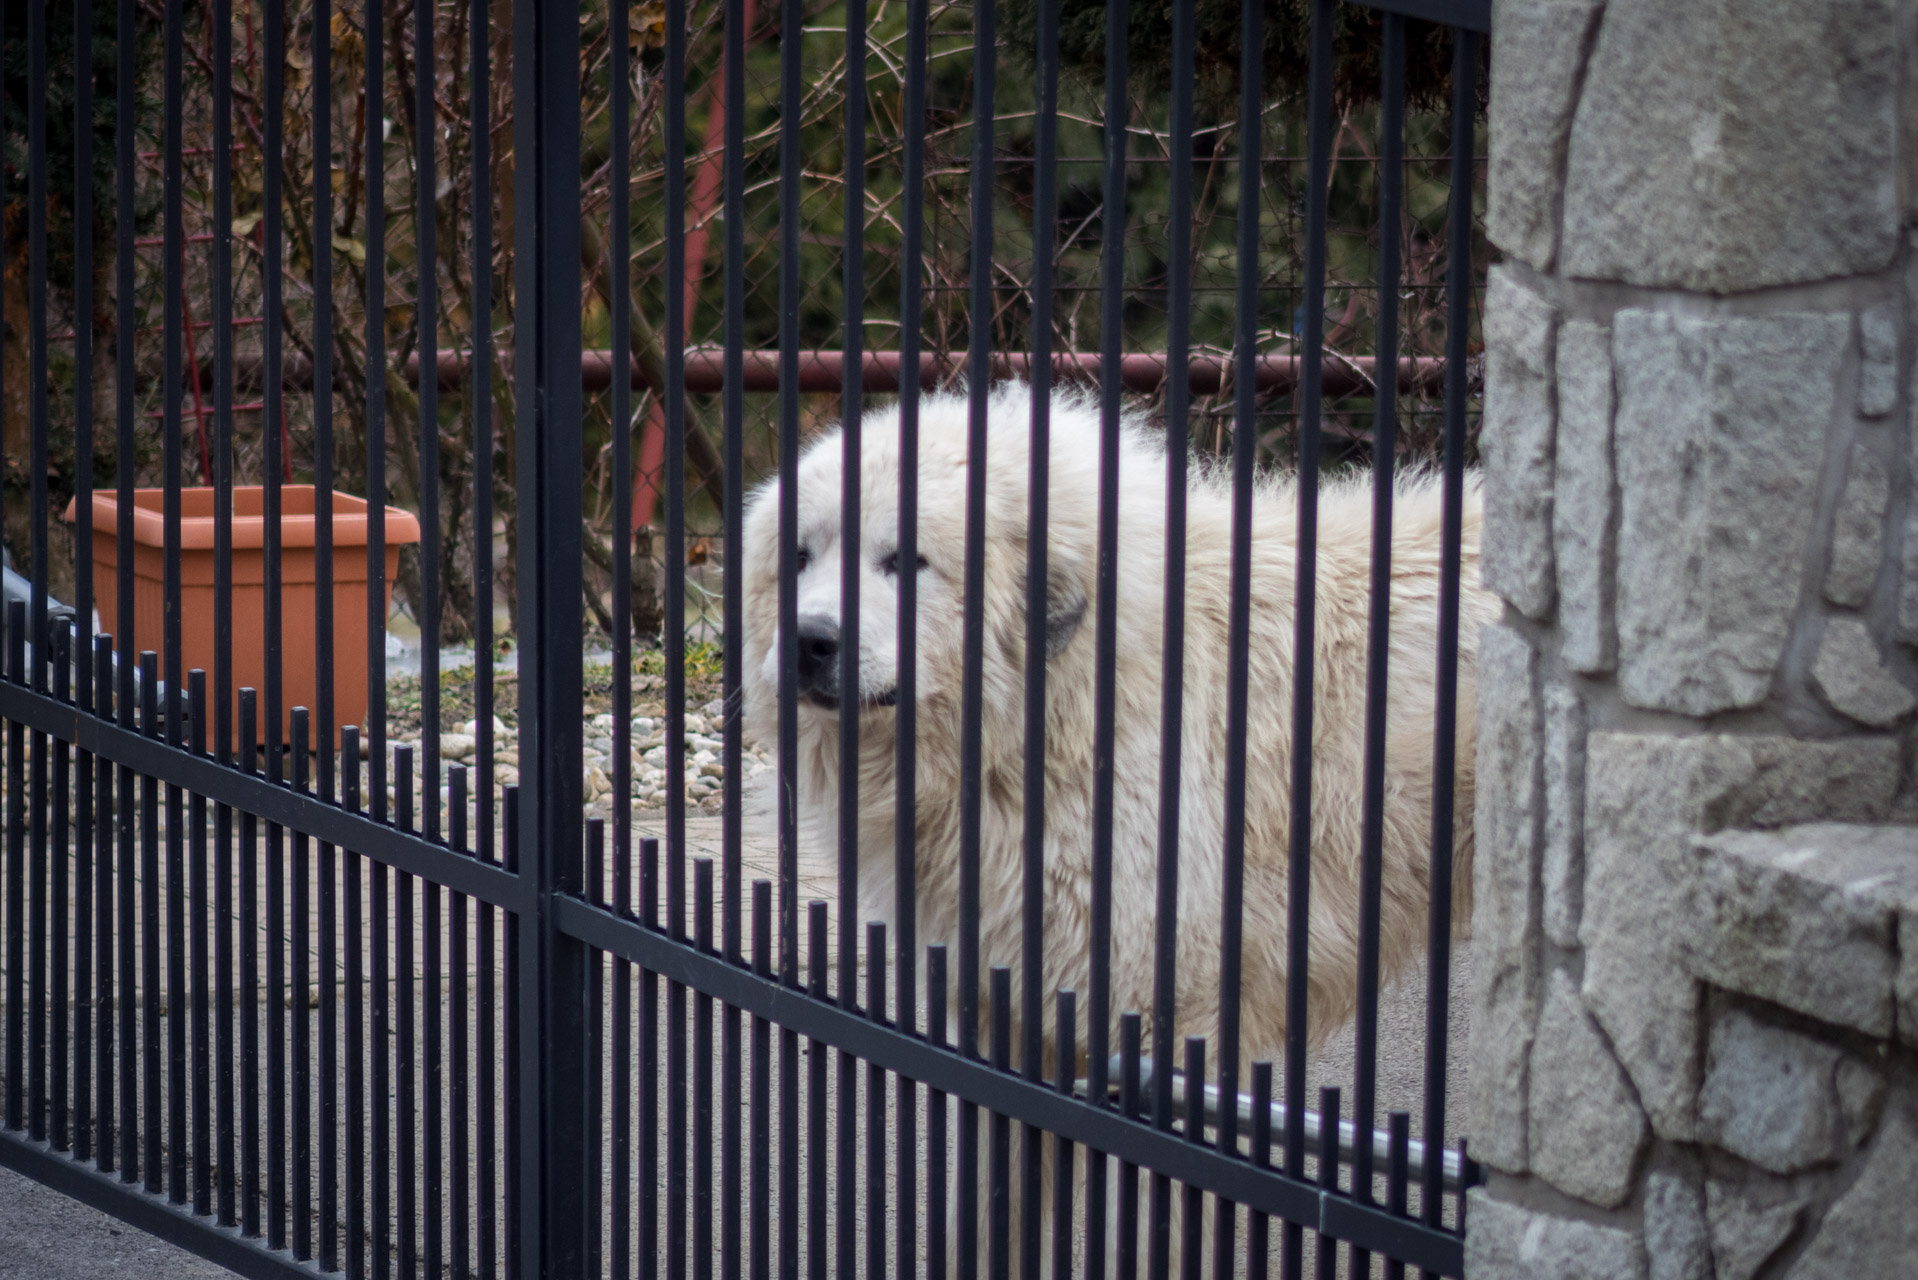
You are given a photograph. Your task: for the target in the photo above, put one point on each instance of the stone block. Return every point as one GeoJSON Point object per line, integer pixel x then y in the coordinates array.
{"type": "Point", "coordinates": [1515, 445]}
{"type": "Point", "coordinates": [1858, 534]}
{"type": "Point", "coordinates": [1720, 439]}
{"type": "Point", "coordinates": [1646, 797]}
{"type": "Point", "coordinates": [1586, 1126]}
{"type": "Point", "coordinates": [1746, 1230]}
{"type": "Point", "coordinates": [1682, 104]}
{"type": "Point", "coordinates": [1539, 48]}
{"type": "Point", "coordinates": [1905, 984]}
{"type": "Point", "coordinates": [1877, 360]}
{"type": "Point", "coordinates": [1509, 1241]}
{"type": "Point", "coordinates": [1505, 897]}
{"type": "Point", "coordinates": [1677, 1240]}
{"type": "Point", "coordinates": [1851, 674]}
{"type": "Point", "coordinates": [1871, 1233]}
{"type": "Point", "coordinates": [1908, 584]}
{"type": "Point", "coordinates": [1806, 917]}
{"type": "Point", "coordinates": [1584, 523]}
{"type": "Point", "coordinates": [1861, 1098]}
{"type": "Point", "coordinates": [1770, 1095]}
{"type": "Point", "coordinates": [1563, 869]}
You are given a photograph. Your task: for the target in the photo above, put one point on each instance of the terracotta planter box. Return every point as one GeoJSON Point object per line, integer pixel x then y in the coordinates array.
{"type": "Point", "coordinates": [299, 664]}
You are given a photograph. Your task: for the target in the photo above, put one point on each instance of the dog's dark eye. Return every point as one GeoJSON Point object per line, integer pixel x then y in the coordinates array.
{"type": "Point", "coordinates": [890, 565]}
{"type": "Point", "coordinates": [803, 559]}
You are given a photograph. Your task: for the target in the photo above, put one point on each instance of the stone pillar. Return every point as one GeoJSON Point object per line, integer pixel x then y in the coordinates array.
{"type": "Point", "coordinates": [1695, 1037]}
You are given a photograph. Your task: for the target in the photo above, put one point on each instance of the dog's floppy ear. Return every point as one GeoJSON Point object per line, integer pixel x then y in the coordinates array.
{"type": "Point", "coordinates": [1065, 608]}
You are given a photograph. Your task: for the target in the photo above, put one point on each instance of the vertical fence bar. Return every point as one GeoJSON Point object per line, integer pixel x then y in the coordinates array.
{"type": "Point", "coordinates": [876, 1114]}
{"type": "Point", "coordinates": [323, 711]}
{"type": "Point", "coordinates": [433, 1069]}
{"type": "Point", "coordinates": [816, 1145]}
{"type": "Point", "coordinates": [458, 1057]}
{"type": "Point", "coordinates": [123, 984]}
{"type": "Point", "coordinates": [274, 940]}
{"type": "Point", "coordinates": [426, 313]}
{"type": "Point", "coordinates": [1304, 618]}
{"type": "Point", "coordinates": [1066, 1068]}
{"type": "Point", "coordinates": [1326, 1249]}
{"type": "Point", "coordinates": [853, 279]}
{"type": "Point", "coordinates": [35, 873]}
{"type": "Point", "coordinates": [86, 815]}
{"type": "Point", "coordinates": [1130, 1030]}
{"type": "Point", "coordinates": [372, 25]}
{"type": "Point", "coordinates": [676, 1149]}
{"type": "Point", "coordinates": [1106, 608]}
{"type": "Point", "coordinates": [552, 967]}
{"type": "Point", "coordinates": [619, 266]}
{"type": "Point", "coordinates": [379, 1176]}
{"type": "Point", "coordinates": [703, 1082]}
{"type": "Point", "coordinates": [937, 1134]}
{"type": "Point", "coordinates": [972, 641]}
{"type": "Point", "coordinates": [1172, 677]}
{"type": "Point", "coordinates": [1245, 449]}
{"type": "Point", "coordinates": [226, 1078]}
{"type": "Point", "coordinates": [249, 994]}
{"type": "Point", "coordinates": [406, 1118]}
{"type": "Point", "coordinates": [271, 725]}
{"type": "Point", "coordinates": [514, 1200]}
{"type": "Point", "coordinates": [1258, 1249]}
{"type": "Point", "coordinates": [594, 1152]}
{"type": "Point", "coordinates": [620, 1243]}
{"type": "Point", "coordinates": [1399, 1129]}
{"type": "Point", "coordinates": [479, 401]}
{"type": "Point", "coordinates": [649, 1070]}
{"type": "Point", "coordinates": [1438, 956]}
{"type": "Point", "coordinates": [999, 1127]}
{"type": "Point", "coordinates": [732, 410]}
{"type": "Point", "coordinates": [380, 906]}
{"type": "Point", "coordinates": [198, 707]}
{"type": "Point", "coordinates": [675, 397]}
{"type": "Point", "coordinates": [16, 879]}
{"type": "Point", "coordinates": [299, 941]}
{"type": "Point", "coordinates": [222, 286]}
{"type": "Point", "coordinates": [273, 425]}
{"type": "Point", "coordinates": [104, 880]}
{"type": "Point", "coordinates": [906, 709]}
{"type": "Point", "coordinates": [153, 1122]}
{"type": "Point", "coordinates": [357, 998]}
{"type": "Point", "coordinates": [1379, 619]}
{"type": "Point", "coordinates": [328, 967]}
{"type": "Point", "coordinates": [1045, 214]}
{"type": "Point", "coordinates": [59, 892]}
{"type": "Point", "coordinates": [761, 1109]}
{"type": "Point", "coordinates": [1192, 1223]}
{"type": "Point", "coordinates": [792, 27]}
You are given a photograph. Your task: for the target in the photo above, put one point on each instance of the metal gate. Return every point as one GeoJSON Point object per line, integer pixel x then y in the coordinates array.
{"type": "Point", "coordinates": [304, 988]}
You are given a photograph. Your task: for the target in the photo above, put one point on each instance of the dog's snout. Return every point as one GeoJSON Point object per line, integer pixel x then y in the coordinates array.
{"type": "Point", "coordinates": [818, 653]}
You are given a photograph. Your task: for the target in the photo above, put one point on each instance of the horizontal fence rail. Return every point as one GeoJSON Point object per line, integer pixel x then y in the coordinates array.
{"type": "Point", "coordinates": [389, 896]}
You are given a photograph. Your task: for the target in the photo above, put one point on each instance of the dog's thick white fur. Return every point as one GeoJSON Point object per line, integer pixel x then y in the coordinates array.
{"type": "Point", "coordinates": [1343, 568]}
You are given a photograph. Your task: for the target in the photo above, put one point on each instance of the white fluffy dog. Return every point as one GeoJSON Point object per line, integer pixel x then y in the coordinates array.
{"type": "Point", "coordinates": [1338, 739]}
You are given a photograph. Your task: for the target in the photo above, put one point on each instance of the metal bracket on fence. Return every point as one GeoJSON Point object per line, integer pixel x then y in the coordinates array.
{"type": "Point", "coordinates": [1452, 1170]}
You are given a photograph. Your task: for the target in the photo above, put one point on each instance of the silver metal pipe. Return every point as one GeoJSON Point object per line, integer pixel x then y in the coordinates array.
{"type": "Point", "coordinates": [1451, 1170]}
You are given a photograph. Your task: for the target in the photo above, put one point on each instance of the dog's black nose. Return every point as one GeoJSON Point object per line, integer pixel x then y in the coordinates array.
{"type": "Point", "coordinates": [818, 655]}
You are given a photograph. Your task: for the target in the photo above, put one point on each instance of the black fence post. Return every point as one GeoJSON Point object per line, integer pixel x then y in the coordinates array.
{"type": "Point", "coordinates": [552, 967]}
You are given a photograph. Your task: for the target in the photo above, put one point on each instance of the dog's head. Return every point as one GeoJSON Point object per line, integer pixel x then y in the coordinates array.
{"type": "Point", "coordinates": [883, 558]}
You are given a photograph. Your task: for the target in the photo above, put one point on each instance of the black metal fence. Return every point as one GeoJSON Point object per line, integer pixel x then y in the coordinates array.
{"type": "Point", "coordinates": [304, 991]}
